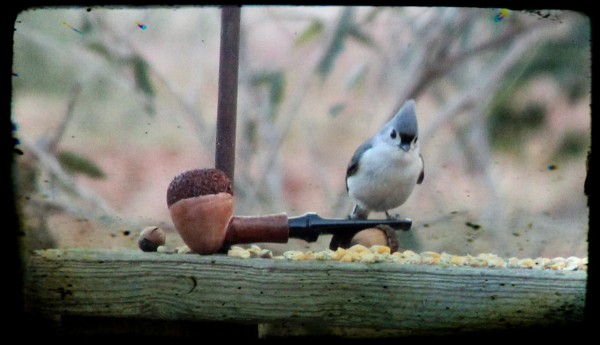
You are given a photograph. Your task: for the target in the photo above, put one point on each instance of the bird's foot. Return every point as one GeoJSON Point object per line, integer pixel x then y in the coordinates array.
{"type": "Point", "coordinates": [394, 217]}
{"type": "Point", "coordinates": [341, 240]}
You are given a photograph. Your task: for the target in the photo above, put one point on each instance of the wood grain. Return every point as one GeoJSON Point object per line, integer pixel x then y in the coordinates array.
{"type": "Point", "coordinates": [409, 299]}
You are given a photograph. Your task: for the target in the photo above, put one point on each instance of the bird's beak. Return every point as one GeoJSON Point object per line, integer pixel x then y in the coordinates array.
{"type": "Point", "coordinates": [405, 146]}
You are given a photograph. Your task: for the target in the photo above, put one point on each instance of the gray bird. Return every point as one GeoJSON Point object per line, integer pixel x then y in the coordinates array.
{"type": "Point", "coordinates": [385, 169]}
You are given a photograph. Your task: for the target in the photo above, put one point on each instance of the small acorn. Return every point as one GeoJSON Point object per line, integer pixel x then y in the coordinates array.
{"type": "Point", "coordinates": [200, 202]}
{"type": "Point", "coordinates": [151, 238]}
{"type": "Point", "coordinates": [382, 235]}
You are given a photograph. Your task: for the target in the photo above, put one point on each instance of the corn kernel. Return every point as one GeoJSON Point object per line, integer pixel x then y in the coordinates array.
{"type": "Point", "coordinates": [558, 263]}
{"type": "Point", "coordinates": [166, 250]}
{"type": "Point", "coordinates": [526, 263]}
{"type": "Point", "coordinates": [406, 257]}
{"type": "Point", "coordinates": [309, 255]}
{"type": "Point", "coordinates": [254, 250]}
{"type": "Point", "coordinates": [431, 258]}
{"type": "Point", "coordinates": [513, 262]}
{"type": "Point", "coordinates": [358, 248]}
{"type": "Point", "coordinates": [445, 258]}
{"type": "Point", "coordinates": [183, 250]}
{"type": "Point", "coordinates": [496, 262]}
{"type": "Point", "coordinates": [346, 258]}
{"type": "Point", "coordinates": [477, 261]}
{"type": "Point", "coordinates": [379, 249]}
{"type": "Point", "coordinates": [583, 263]}
{"type": "Point", "coordinates": [541, 263]}
{"type": "Point", "coordinates": [367, 257]}
{"type": "Point", "coordinates": [492, 260]}
{"type": "Point", "coordinates": [327, 254]}
{"type": "Point", "coordinates": [382, 257]}
{"type": "Point", "coordinates": [339, 253]}
{"type": "Point", "coordinates": [458, 260]}
{"type": "Point", "coordinates": [294, 255]}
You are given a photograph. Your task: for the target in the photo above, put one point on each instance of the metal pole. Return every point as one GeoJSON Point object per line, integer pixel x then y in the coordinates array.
{"type": "Point", "coordinates": [228, 83]}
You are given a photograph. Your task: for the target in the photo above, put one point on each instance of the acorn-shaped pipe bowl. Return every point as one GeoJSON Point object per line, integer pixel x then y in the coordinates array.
{"type": "Point", "coordinates": [201, 204]}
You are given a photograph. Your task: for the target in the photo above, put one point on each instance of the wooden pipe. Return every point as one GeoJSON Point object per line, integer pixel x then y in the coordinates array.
{"type": "Point", "coordinates": [201, 205]}
{"type": "Point", "coordinates": [279, 228]}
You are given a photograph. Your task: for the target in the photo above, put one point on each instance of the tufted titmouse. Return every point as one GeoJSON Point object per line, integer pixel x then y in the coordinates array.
{"type": "Point", "coordinates": [385, 169]}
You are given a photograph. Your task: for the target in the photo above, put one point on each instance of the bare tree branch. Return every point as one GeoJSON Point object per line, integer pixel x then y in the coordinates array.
{"type": "Point", "coordinates": [432, 70]}
{"type": "Point", "coordinates": [53, 143]}
{"type": "Point", "coordinates": [98, 204]}
{"type": "Point", "coordinates": [480, 93]}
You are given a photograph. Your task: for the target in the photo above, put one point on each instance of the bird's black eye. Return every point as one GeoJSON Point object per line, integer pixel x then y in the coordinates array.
{"type": "Point", "coordinates": [393, 134]}
{"type": "Point", "coordinates": [416, 138]}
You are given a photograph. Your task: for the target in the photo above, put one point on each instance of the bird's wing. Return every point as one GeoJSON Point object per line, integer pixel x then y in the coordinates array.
{"type": "Point", "coordinates": [422, 175]}
{"type": "Point", "coordinates": [353, 165]}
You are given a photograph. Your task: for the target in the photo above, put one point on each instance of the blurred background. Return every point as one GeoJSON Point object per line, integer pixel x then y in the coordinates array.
{"type": "Point", "coordinates": [109, 104]}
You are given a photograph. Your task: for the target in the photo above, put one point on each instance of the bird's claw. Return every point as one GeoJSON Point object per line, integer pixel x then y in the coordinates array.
{"type": "Point", "coordinates": [394, 217]}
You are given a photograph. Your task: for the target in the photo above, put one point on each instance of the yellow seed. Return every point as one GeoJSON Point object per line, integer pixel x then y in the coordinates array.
{"type": "Point", "coordinates": [183, 250]}
{"type": "Point", "coordinates": [367, 257]}
{"type": "Point", "coordinates": [558, 263]}
{"type": "Point", "coordinates": [491, 260]}
{"type": "Point", "coordinates": [572, 263]}
{"type": "Point", "coordinates": [395, 256]}
{"type": "Point", "coordinates": [358, 248]}
{"type": "Point", "coordinates": [541, 263]}
{"type": "Point", "coordinates": [526, 263]}
{"type": "Point", "coordinates": [355, 255]}
{"type": "Point", "coordinates": [496, 262]}
{"type": "Point", "coordinates": [166, 250]}
{"type": "Point", "coordinates": [583, 264]}
{"type": "Point", "coordinates": [294, 255]}
{"type": "Point", "coordinates": [513, 262]}
{"type": "Point", "coordinates": [477, 261]}
{"type": "Point", "coordinates": [239, 253]}
{"type": "Point", "coordinates": [346, 258]}
{"type": "Point", "coordinates": [379, 249]}
{"type": "Point", "coordinates": [386, 257]}
{"type": "Point", "coordinates": [458, 260]}
{"type": "Point", "coordinates": [309, 255]}
{"type": "Point", "coordinates": [254, 250]}
{"type": "Point", "coordinates": [431, 258]}
{"type": "Point", "coordinates": [324, 255]}
{"type": "Point", "coordinates": [339, 253]}
{"type": "Point", "coordinates": [445, 258]}
{"type": "Point", "coordinates": [406, 257]}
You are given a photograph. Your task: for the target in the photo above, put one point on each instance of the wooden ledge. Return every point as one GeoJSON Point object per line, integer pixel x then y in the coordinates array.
{"type": "Point", "coordinates": [394, 298]}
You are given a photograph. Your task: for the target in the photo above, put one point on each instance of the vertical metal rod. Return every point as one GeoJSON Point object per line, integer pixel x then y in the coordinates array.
{"type": "Point", "coordinates": [228, 85]}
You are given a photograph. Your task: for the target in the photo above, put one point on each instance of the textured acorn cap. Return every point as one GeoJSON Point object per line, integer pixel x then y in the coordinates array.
{"type": "Point", "coordinates": [198, 182]}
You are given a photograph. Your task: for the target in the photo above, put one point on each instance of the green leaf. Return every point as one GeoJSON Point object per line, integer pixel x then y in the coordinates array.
{"type": "Point", "coordinates": [356, 76]}
{"type": "Point", "coordinates": [276, 90]}
{"type": "Point", "coordinates": [142, 75]}
{"type": "Point", "coordinates": [361, 37]}
{"type": "Point", "coordinates": [101, 49]}
{"type": "Point", "coordinates": [314, 30]}
{"type": "Point", "coordinates": [372, 15]}
{"type": "Point", "coordinates": [336, 45]}
{"type": "Point", "coordinates": [336, 109]}
{"type": "Point", "coordinates": [78, 164]}
{"type": "Point", "coordinates": [142, 80]}
{"type": "Point", "coordinates": [275, 82]}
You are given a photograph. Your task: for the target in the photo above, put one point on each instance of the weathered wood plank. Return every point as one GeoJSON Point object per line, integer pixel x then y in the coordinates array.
{"type": "Point", "coordinates": [410, 299]}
